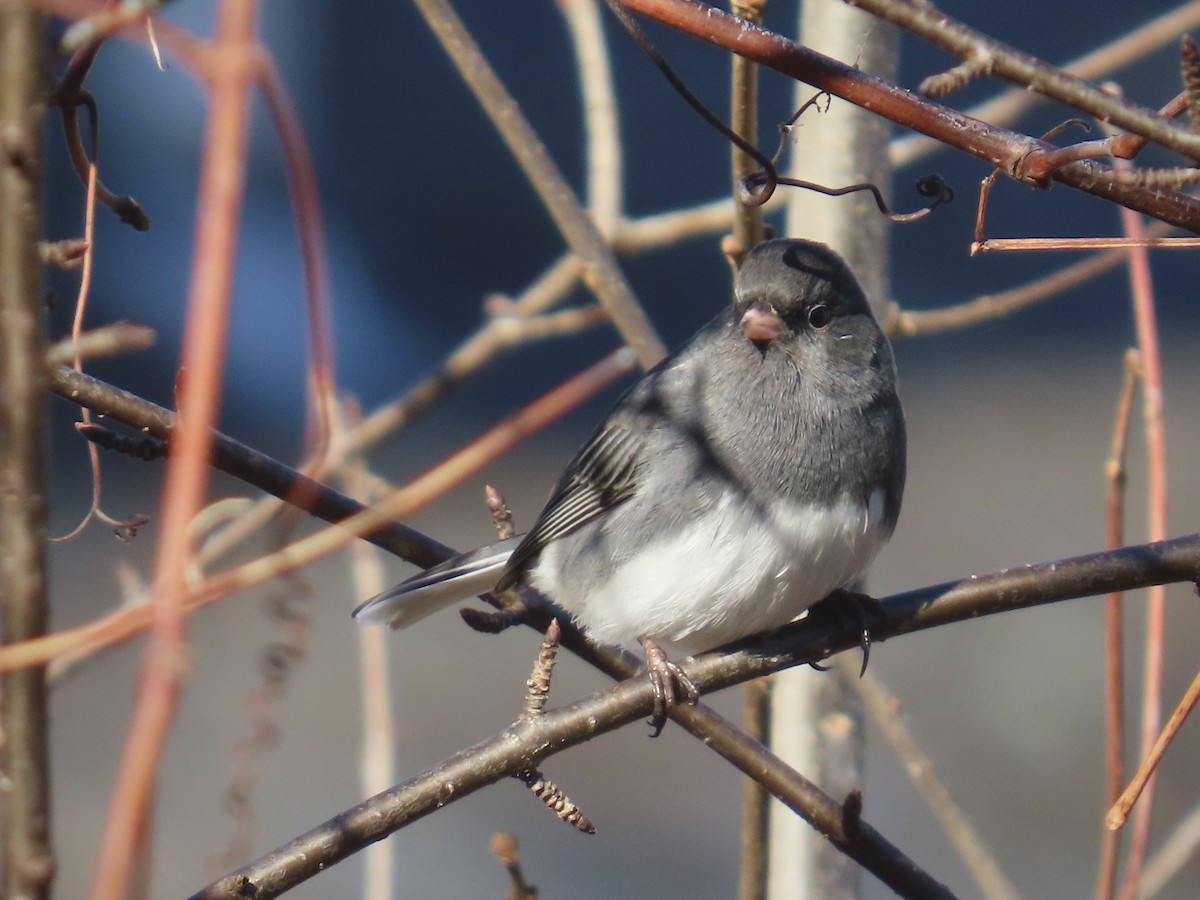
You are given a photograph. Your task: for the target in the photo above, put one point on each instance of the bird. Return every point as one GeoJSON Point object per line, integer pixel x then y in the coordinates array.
{"type": "Point", "coordinates": [747, 476]}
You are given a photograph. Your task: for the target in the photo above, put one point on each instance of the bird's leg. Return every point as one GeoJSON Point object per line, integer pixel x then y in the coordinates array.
{"type": "Point", "coordinates": [666, 678]}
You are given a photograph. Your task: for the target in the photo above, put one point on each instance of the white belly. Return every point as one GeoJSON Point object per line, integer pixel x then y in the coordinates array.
{"type": "Point", "coordinates": [732, 576]}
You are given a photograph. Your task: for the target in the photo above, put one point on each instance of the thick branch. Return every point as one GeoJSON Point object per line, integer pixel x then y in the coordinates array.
{"type": "Point", "coordinates": [824, 632]}
{"type": "Point", "coordinates": [1006, 150]}
{"type": "Point", "coordinates": [927, 21]}
{"type": "Point", "coordinates": [246, 463]}
{"type": "Point", "coordinates": [1129, 568]}
{"type": "Point", "coordinates": [26, 859]}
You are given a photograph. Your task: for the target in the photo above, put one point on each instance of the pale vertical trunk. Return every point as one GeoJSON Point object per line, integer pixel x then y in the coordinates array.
{"type": "Point", "coordinates": [817, 722]}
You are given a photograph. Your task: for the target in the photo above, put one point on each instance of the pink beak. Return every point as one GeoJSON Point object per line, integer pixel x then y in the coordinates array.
{"type": "Point", "coordinates": [761, 324]}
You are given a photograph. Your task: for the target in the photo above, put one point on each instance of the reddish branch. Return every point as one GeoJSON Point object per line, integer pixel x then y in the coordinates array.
{"type": "Point", "coordinates": [219, 204]}
{"type": "Point", "coordinates": [1005, 150]}
{"type": "Point", "coordinates": [1154, 422]}
{"type": "Point", "coordinates": [991, 57]}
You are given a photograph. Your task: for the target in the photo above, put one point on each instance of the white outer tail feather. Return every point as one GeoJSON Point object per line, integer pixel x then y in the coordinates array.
{"type": "Point", "coordinates": [426, 592]}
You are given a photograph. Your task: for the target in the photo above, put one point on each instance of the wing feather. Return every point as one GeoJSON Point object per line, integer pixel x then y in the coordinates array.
{"type": "Point", "coordinates": [602, 475]}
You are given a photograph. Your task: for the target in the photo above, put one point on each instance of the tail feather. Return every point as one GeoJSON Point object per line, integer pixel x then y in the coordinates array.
{"type": "Point", "coordinates": [426, 592]}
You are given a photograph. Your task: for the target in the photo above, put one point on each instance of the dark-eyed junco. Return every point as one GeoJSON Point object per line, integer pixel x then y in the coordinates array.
{"type": "Point", "coordinates": [747, 476]}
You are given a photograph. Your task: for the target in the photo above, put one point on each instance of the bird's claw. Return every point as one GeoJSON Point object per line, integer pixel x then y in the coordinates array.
{"type": "Point", "coordinates": [862, 608]}
{"type": "Point", "coordinates": [668, 682]}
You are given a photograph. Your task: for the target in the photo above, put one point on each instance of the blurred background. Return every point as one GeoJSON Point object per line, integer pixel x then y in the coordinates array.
{"type": "Point", "coordinates": [426, 217]}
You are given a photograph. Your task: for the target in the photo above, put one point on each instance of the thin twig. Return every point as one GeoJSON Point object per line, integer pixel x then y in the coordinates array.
{"type": "Point", "coordinates": [967, 842]}
{"type": "Point", "coordinates": [101, 343]}
{"type": "Point", "coordinates": [748, 228]}
{"type": "Point", "coordinates": [133, 592]}
{"type": "Point", "coordinates": [1012, 103]}
{"type": "Point", "coordinates": [601, 127]}
{"type": "Point", "coordinates": [752, 847]}
{"type": "Point", "coordinates": [504, 847]}
{"type": "Point", "coordinates": [1156, 462]}
{"type": "Point", "coordinates": [1114, 657]}
{"type": "Point", "coordinates": [928, 22]}
{"type": "Point", "coordinates": [582, 236]}
{"type": "Point", "coordinates": [27, 862]}
{"type": "Point", "coordinates": [471, 356]}
{"type": "Point", "coordinates": [909, 323]}
{"type": "Point", "coordinates": [1116, 815]}
{"type": "Point", "coordinates": [85, 281]}
{"type": "Point", "coordinates": [1084, 243]}
{"type": "Point", "coordinates": [76, 340]}
{"type": "Point", "coordinates": [314, 255]}
{"type": "Point", "coordinates": [662, 229]}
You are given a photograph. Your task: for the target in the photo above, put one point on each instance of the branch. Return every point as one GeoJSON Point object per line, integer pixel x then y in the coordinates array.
{"type": "Point", "coordinates": [1126, 48]}
{"type": "Point", "coordinates": [26, 855]}
{"type": "Point", "coordinates": [822, 633]}
{"type": "Point", "coordinates": [246, 463]}
{"type": "Point", "coordinates": [1126, 569]}
{"type": "Point", "coordinates": [560, 201]}
{"type": "Point", "coordinates": [927, 21]}
{"type": "Point", "coordinates": [605, 181]}
{"type": "Point", "coordinates": [1145, 319]}
{"type": "Point", "coordinates": [404, 501]}
{"type": "Point", "coordinates": [966, 841]}
{"type": "Point", "coordinates": [1116, 478]}
{"type": "Point", "coordinates": [1002, 149]}
{"type": "Point", "coordinates": [222, 177]}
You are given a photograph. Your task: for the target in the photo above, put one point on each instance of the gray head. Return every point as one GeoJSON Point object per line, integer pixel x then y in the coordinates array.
{"type": "Point", "coordinates": [795, 276]}
{"type": "Point", "coordinates": [799, 298]}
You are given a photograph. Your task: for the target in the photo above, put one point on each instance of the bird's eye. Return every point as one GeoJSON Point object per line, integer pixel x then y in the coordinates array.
{"type": "Point", "coordinates": [819, 315]}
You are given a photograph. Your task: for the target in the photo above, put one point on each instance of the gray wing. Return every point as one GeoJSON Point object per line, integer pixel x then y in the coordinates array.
{"type": "Point", "coordinates": [602, 475]}
{"type": "Point", "coordinates": [656, 413]}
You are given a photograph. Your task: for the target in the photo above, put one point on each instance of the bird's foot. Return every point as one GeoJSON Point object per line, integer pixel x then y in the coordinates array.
{"type": "Point", "coordinates": [668, 681]}
{"type": "Point", "coordinates": [497, 620]}
{"type": "Point", "coordinates": [862, 608]}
